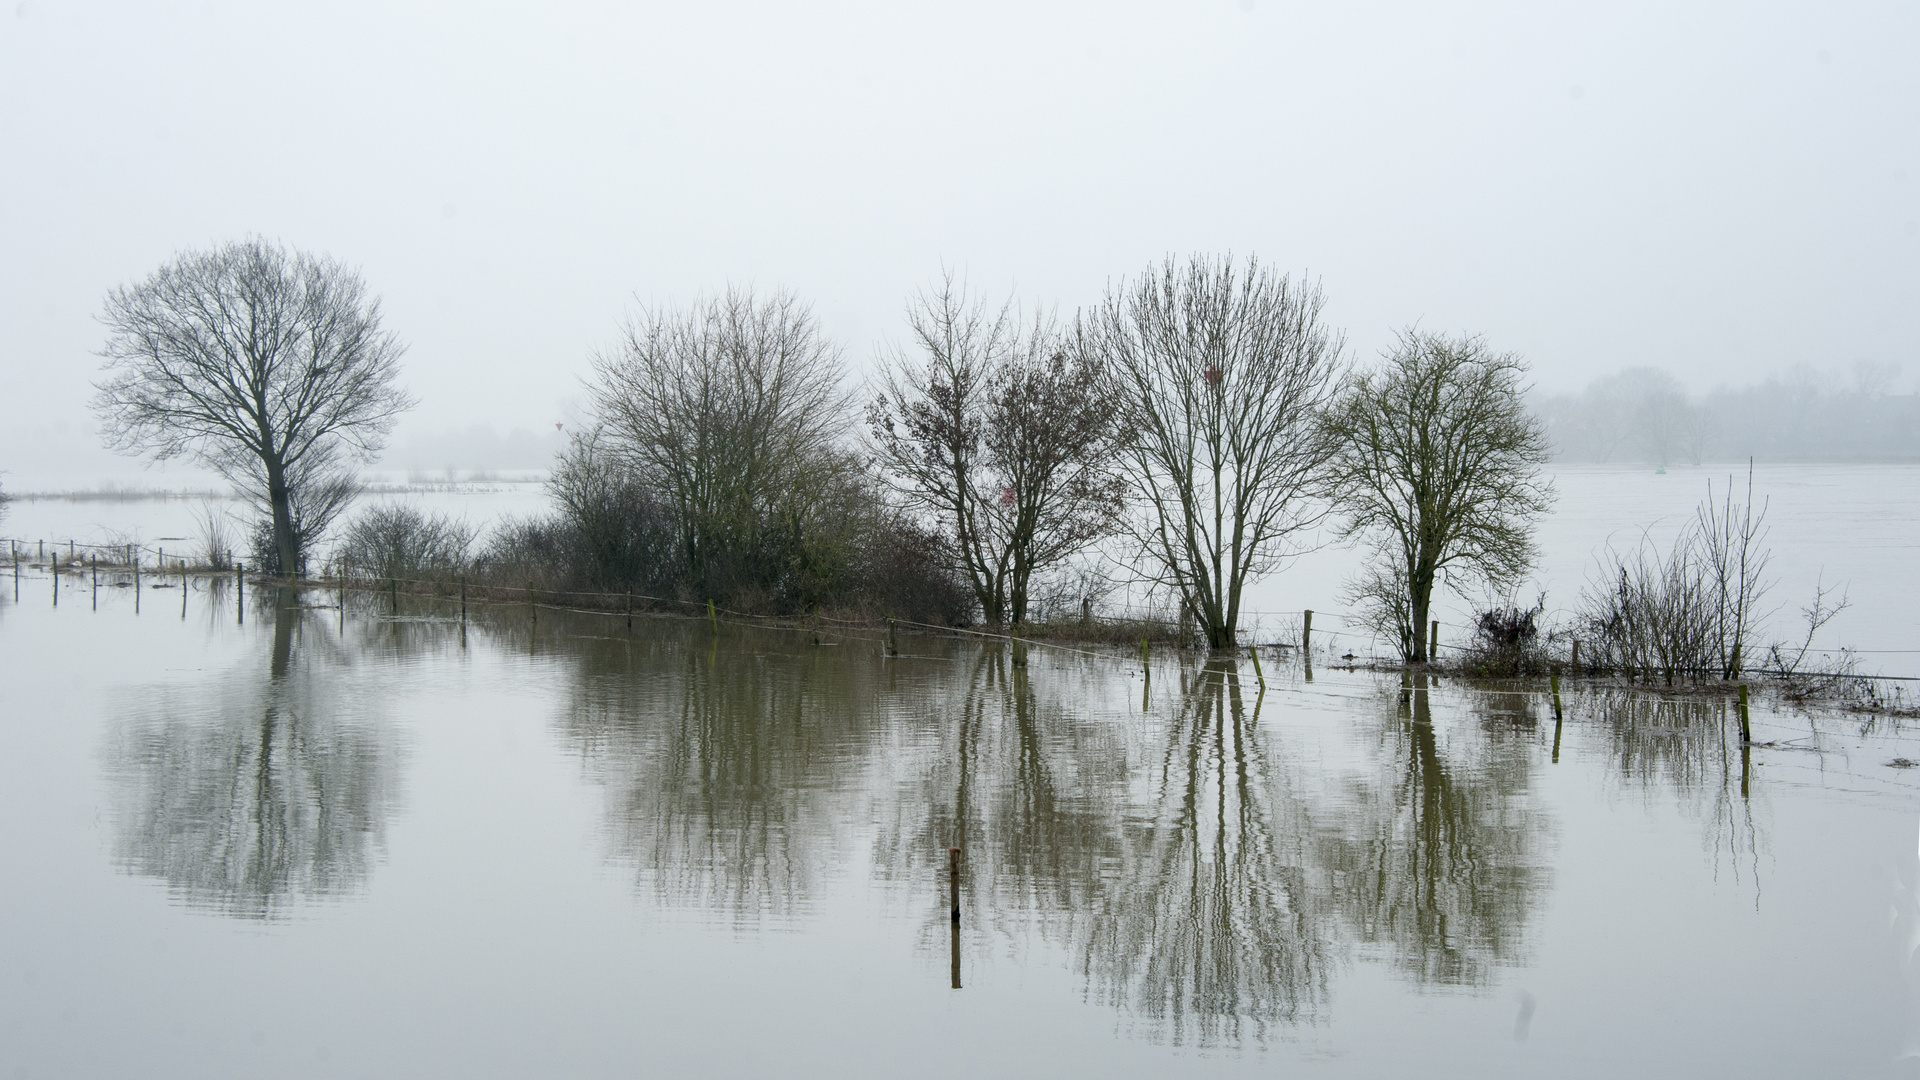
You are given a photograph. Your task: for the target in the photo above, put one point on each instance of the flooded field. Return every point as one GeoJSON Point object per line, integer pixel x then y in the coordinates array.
{"type": "Point", "coordinates": [266, 836]}
{"type": "Point", "coordinates": [1855, 527]}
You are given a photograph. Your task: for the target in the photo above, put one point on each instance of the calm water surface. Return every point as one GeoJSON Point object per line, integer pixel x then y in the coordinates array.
{"type": "Point", "coordinates": [271, 838]}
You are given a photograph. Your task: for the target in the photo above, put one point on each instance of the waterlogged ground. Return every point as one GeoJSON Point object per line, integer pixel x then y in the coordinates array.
{"type": "Point", "coordinates": [263, 837]}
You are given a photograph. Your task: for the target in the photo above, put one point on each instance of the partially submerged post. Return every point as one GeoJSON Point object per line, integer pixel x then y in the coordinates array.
{"type": "Point", "coordinates": [1146, 674]}
{"type": "Point", "coordinates": [953, 883]}
{"type": "Point", "coordinates": [1254, 651]}
{"type": "Point", "coordinates": [1306, 637]}
{"type": "Point", "coordinates": [1555, 681]}
{"type": "Point", "coordinates": [893, 643]}
{"type": "Point", "coordinates": [1746, 728]}
{"type": "Point", "coordinates": [239, 592]}
{"type": "Point", "coordinates": [1433, 642]}
{"type": "Point", "coordinates": [713, 616]}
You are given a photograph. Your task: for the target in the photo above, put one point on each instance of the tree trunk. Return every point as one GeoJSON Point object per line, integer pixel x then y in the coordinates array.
{"type": "Point", "coordinates": [1419, 605]}
{"type": "Point", "coordinates": [285, 545]}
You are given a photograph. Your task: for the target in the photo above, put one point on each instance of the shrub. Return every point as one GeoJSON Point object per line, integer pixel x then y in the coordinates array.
{"type": "Point", "coordinates": [1507, 642]}
{"type": "Point", "coordinates": [394, 541]}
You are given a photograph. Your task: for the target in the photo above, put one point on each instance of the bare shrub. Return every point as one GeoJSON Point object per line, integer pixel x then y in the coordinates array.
{"type": "Point", "coordinates": [1507, 641]}
{"type": "Point", "coordinates": [1689, 611]}
{"type": "Point", "coordinates": [216, 536]}
{"type": "Point", "coordinates": [401, 543]}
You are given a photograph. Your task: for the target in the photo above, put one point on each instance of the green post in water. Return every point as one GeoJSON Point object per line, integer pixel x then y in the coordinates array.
{"type": "Point", "coordinates": [1746, 729]}
{"type": "Point", "coordinates": [1254, 651]}
{"type": "Point", "coordinates": [1306, 637]}
{"type": "Point", "coordinates": [713, 616]}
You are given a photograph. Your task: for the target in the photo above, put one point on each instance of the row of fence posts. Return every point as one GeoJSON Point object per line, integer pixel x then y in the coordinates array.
{"type": "Point", "coordinates": [132, 563]}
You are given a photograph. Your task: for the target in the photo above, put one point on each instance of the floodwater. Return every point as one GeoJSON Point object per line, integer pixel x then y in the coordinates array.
{"type": "Point", "coordinates": [1854, 527]}
{"type": "Point", "coordinates": [265, 836]}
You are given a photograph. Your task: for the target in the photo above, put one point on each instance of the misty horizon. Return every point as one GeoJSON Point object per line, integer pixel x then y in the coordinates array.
{"type": "Point", "coordinates": [1723, 193]}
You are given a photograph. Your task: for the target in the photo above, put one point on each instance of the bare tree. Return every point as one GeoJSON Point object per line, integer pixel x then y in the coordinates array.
{"type": "Point", "coordinates": [267, 365]}
{"type": "Point", "coordinates": [1439, 468]}
{"type": "Point", "coordinates": [731, 411]}
{"type": "Point", "coordinates": [989, 426]}
{"type": "Point", "coordinates": [1218, 374]}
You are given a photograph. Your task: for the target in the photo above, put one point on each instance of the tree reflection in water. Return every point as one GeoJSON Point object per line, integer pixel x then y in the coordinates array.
{"type": "Point", "coordinates": [1217, 925]}
{"type": "Point", "coordinates": [1439, 861]}
{"type": "Point", "coordinates": [1688, 751]}
{"type": "Point", "coordinates": [261, 789]}
{"type": "Point", "coordinates": [726, 770]}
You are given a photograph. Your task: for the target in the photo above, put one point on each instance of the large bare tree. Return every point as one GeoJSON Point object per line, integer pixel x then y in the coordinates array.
{"type": "Point", "coordinates": [986, 423]}
{"type": "Point", "coordinates": [1439, 469]}
{"type": "Point", "coordinates": [269, 366]}
{"type": "Point", "coordinates": [1218, 373]}
{"type": "Point", "coordinates": [732, 412]}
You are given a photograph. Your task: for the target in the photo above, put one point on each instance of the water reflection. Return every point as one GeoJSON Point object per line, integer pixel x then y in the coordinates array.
{"type": "Point", "coordinates": [1200, 874]}
{"type": "Point", "coordinates": [1686, 751]}
{"type": "Point", "coordinates": [726, 770]}
{"type": "Point", "coordinates": [1440, 861]}
{"type": "Point", "coordinates": [263, 787]}
{"type": "Point", "coordinates": [1218, 924]}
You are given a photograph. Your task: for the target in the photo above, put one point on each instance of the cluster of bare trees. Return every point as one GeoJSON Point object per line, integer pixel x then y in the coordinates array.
{"type": "Point", "coordinates": [988, 424]}
{"type": "Point", "coordinates": [1198, 423]}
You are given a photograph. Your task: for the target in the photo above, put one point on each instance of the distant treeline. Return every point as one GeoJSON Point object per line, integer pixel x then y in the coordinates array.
{"type": "Point", "coordinates": [1644, 415]}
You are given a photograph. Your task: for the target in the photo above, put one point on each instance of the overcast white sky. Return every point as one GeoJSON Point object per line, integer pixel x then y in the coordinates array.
{"type": "Point", "coordinates": [1720, 189]}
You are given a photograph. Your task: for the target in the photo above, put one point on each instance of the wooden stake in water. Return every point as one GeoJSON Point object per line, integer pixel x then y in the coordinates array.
{"type": "Point", "coordinates": [1576, 656]}
{"type": "Point", "coordinates": [240, 592]}
{"type": "Point", "coordinates": [713, 616]}
{"type": "Point", "coordinates": [1555, 679]}
{"type": "Point", "coordinates": [893, 643]}
{"type": "Point", "coordinates": [463, 601]}
{"type": "Point", "coordinates": [1306, 636]}
{"type": "Point", "coordinates": [95, 560]}
{"type": "Point", "coordinates": [1146, 675]}
{"type": "Point", "coordinates": [1433, 643]}
{"type": "Point", "coordinates": [629, 610]}
{"type": "Point", "coordinates": [953, 883]}
{"type": "Point", "coordinates": [1746, 728]}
